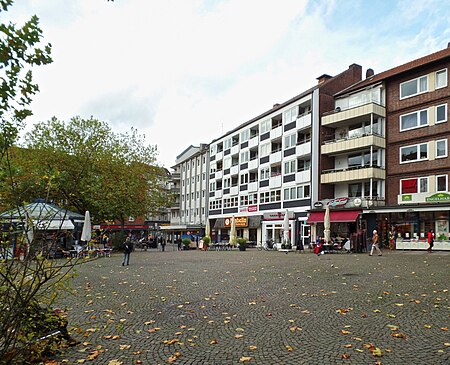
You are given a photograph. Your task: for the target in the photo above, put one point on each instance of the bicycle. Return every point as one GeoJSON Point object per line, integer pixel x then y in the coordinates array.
{"type": "Point", "coordinates": [267, 246]}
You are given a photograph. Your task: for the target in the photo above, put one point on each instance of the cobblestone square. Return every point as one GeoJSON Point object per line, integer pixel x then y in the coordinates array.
{"type": "Point", "coordinates": [259, 307]}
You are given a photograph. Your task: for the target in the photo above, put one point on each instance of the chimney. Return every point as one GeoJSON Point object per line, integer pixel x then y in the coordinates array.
{"type": "Point", "coordinates": [323, 78]}
{"type": "Point", "coordinates": [369, 73]}
{"type": "Point", "coordinates": [276, 105]}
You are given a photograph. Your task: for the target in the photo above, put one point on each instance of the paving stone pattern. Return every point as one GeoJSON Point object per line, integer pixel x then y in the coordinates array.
{"type": "Point", "coordinates": [260, 307]}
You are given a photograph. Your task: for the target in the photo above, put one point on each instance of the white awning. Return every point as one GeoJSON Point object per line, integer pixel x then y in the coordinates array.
{"type": "Point", "coordinates": [54, 224]}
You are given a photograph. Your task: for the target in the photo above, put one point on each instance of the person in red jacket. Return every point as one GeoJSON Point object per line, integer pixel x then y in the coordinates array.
{"type": "Point", "coordinates": [430, 240]}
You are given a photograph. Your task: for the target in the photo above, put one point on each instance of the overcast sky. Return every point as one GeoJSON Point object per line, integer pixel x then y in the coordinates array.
{"type": "Point", "coordinates": [187, 71]}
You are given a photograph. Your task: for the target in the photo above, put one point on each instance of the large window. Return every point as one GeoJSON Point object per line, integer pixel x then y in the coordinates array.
{"type": "Point", "coordinates": [441, 148]}
{"type": "Point", "coordinates": [290, 115]}
{"type": "Point", "coordinates": [290, 167]}
{"type": "Point", "coordinates": [290, 141]}
{"type": "Point", "coordinates": [414, 87]}
{"type": "Point", "coordinates": [441, 78]}
{"type": "Point", "coordinates": [414, 153]}
{"type": "Point", "coordinates": [270, 196]}
{"type": "Point", "coordinates": [244, 179]}
{"type": "Point", "coordinates": [265, 150]}
{"type": "Point", "coordinates": [265, 173]}
{"type": "Point", "coordinates": [215, 204]}
{"type": "Point", "coordinates": [226, 183]}
{"type": "Point", "coordinates": [303, 165]}
{"type": "Point", "coordinates": [245, 135]}
{"type": "Point", "coordinates": [413, 186]}
{"type": "Point", "coordinates": [245, 156]}
{"type": "Point", "coordinates": [414, 120]}
{"type": "Point", "coordinates": [266, 126]}
{"type": "Point", "coordinates": [442, 183]}
{"type": "Point", "coordinates": [441, 113]}
{"type": "Point", "coordinates": [363, 189]}
{"type": "Point", "coordinates": [297, 192]}
{"type": "Point", "coordinates": [251, 199]}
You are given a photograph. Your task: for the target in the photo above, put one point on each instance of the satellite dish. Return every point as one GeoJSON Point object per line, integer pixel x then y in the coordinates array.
{"type": "Point", "coordinates": [357, 202]}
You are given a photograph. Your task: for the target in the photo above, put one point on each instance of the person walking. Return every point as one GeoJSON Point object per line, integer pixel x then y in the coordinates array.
{"type": "Point", "coordinates": [430, 240]}
{"type": "Point", "coordinates": [375, 242]}
{"type": "Point", "coordinates": [127, 248]}
{"type": "Point", "coordinates": [163, 243]}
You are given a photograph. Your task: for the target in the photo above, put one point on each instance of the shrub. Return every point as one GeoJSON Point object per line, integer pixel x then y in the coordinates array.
{"type": "Point", "coordinates": [186, 242]}
{"type": "Point", "coordinates": [206, 240]}
{"type": "Point", "coordinates": [241, 241]}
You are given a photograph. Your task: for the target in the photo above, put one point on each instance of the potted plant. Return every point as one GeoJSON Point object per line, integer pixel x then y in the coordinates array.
{"type": "Point", "coordinates": [186, 243]}
{"type": "Point", "coordinates": [242, 242]}
{"type": "Point", "coordinates": [206, 242]}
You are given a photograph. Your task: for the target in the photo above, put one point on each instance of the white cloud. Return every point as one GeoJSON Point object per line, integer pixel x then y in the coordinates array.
{"type": "Point", "coordinates": [184, 72]}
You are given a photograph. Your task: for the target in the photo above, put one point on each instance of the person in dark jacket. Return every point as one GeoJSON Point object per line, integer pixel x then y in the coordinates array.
{"type": "Point", "coordinates": [127, 248]}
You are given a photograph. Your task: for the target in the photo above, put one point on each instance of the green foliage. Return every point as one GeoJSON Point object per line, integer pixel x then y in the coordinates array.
{"type": "Point", "coordinates": [186, 242]}
{"type": "Point", "coordinates": [241, 242]}
{"type": "Point", "coordinates": [207, 240]}
{"type": "Point", "coordinates": [83, 165]}
{"type": "Point", "coordinates": [19, 52]}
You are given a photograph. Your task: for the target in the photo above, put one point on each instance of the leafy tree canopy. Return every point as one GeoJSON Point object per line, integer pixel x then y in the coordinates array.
{"type": "Point", "coordinates": [19, 51]}
{"type": "Point", "coordinates": [87, 166]}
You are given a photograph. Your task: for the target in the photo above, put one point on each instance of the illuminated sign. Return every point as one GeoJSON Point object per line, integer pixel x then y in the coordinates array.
{"type": "Point", "coordinates": [239, 221]}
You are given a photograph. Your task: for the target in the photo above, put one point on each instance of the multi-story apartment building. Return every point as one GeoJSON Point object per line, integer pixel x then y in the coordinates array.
{"type": "Point", "coordinates": [190, 179]}
{"type": "Point", "coordinates": [385, 154]}
{"type": "Point", "coordinates": [269, 166]}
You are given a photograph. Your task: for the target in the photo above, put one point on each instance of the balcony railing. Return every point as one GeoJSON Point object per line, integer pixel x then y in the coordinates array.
{"type": "Point", "coordinates": [347, 137]}
{"type": "Point", "coordinates": [350, 168]}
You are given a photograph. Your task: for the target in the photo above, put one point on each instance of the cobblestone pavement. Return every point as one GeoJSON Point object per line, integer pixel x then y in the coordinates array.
{"type": "Point", "coordinates": [259, 307]}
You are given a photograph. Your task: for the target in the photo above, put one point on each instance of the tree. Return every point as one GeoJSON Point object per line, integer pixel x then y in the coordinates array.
{"type": "Point", "coordinates": [85, 164]}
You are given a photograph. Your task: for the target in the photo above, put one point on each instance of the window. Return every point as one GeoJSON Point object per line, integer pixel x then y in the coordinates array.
{"type": "Point", "coordinates": [270, 196]}
{"type": "Point", "coordinates": [290, 115]}
{"type": "Point", "coordinates": [414, 120]}
{"type": "Point", "coordinates": [441, 148]}
{"type": "Point", "coordinates": [290, 141]}
{"type": "Point", "coordinates": [414, 87]}
{"type": "Point", "coordinates": [441, 113]}
{"type": "Point", "coordinates": [303, 165]}
{"type": "Point", "coordinates": [296, 192]}
{"type": "Point", "coordinates": [245, 156]}
{"type": "Point", "coordinates": [212, 186]}
{"type": "Point", "coordinates": [244, 179]}
{"type": "Point", "coordinates": [226, 183]}
{"type": "Point", "coordinates": [289, 167]}
{"type": "Point", "coordinates": [265, 173]}
{"type": "Point", "coordinates": [441, 183]}
{"type": "Point", "coordinates": [215, 204]}
{"type": "Point", "coordinates": [414, 153]}
{"type": "Point", "coordinates": [355, 190]}
{"type": "Point", "coordinates": [413, 186]}
{"type": "Point", "coordinates": [441, 78]}
{"type": "Point", "coordinates": [265, 150]}
{"type": "Point", "coordinates": [265, 126]}
{"type": "Point", "coordinates": [227, 144]}
{"type": "Point", "coordinates": [251, 199]}
{"type": "Point", "coordinates": [245, 135]}
{"type": "Point", "coordinates": [230, 202]}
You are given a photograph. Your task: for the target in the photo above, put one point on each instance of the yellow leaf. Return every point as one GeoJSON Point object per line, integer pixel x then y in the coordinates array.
{"type": "Point", "coordinates": [245, 359]}
{"type": "Point", "coordinates": [399, 304]}
{"type": "Point", "coordinates": [357, 338]}
{"type": "Point", "coordinates": [392, 327]}
{"type": "Point", "coordinates": [213, 341]}
{"type": "Point", "coordinates": [376, 311]}
{"type": "Point", "coordinates": [149, 322]}
{"type": "Point", "coordinates": [345, 356]}
{"type": "Point", "coordinates": [289, 348]}
{"type": "Point", "coordinates": [252, 348]}
{"type": "Point", "coordinates": [239, 329]}
{"type": "Point", "coordinates": [444, 328]}
{"type": "Point", "coordinates": [391, 315]}
{"type": "Point", "coordinates": [81, 361]}
{"type": "Point", "coordinates": [124, 347]}
{"type": "Point", "coordinates": [398, 335]}
{"type": "Point", "coordinates": [344, 332]}
{"type": "Point", "coordinates": [447, 344]}
{"type": "Point", "coordinates": [359, 350]}
{"type": "Point", "coordinates": [93, 355]}
{"type": "Point", "coordinates": [377, 352]}
{"type": "Point", "coordinates": [349, 345]}
{"type": "Point", "coordinates": [238, 336]}
{"type": "Point", "coordinates": [427, 326]}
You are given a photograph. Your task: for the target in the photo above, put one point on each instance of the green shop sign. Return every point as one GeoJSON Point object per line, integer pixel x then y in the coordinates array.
{"type": "Point", "coordinates": [406, 198]}
{"type": "Point", "coordinates": [439, 197]}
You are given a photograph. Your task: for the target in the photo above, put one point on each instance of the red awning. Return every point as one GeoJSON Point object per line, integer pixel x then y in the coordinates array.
{"type": "Point", "coordinates": [335, 216]}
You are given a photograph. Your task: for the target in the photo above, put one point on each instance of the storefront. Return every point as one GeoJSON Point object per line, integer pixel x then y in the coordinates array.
{"type": "Point", "coordinates": [246, 226]}
{"type": "Point", "coordinates": [273, 228]}
{"type": "Point", "coordinates": [406, 228]}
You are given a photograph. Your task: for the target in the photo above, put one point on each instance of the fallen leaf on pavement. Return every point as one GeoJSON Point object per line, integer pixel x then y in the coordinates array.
{"type": "Point", "coordinates": [245, 359]}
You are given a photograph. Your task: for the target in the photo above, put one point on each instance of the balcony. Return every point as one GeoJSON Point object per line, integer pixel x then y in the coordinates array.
{"type": "Point", "coordinates": [304, 121]}
{"type": "Point", "coordinates": [253, 164]}
{"type": "Point", "coordinates": [252, 187]}
{"type": "Point", "coordinates": [352, 174]}
{"type": "Point", "coordinates": [234, 190]}
{"type": "Point", "coordinates": [353, 114]}
{"type": "Point", "coordinates": [275, 157]}
{"type": "Point", "coordinates": [234, 170]}
{"type": "Point", "coordinates": [303, 149]}
{"type": "Point", "coordinates": [303, 176]}
{"type": "Point", "coordinates": [254, 141]}
{"type": "Point", "coordinates": [235, 149]}
{"type": "Point", "coordinates": [347, 144]}
{"type": "Point", "coordinates": [276, 132]}
{"type": "Point", "coordinates": [219, 174]}
{"type": "Point", "coordinates": [218, 194]}
{"type": "Point", "coordinates": [275, 181]}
